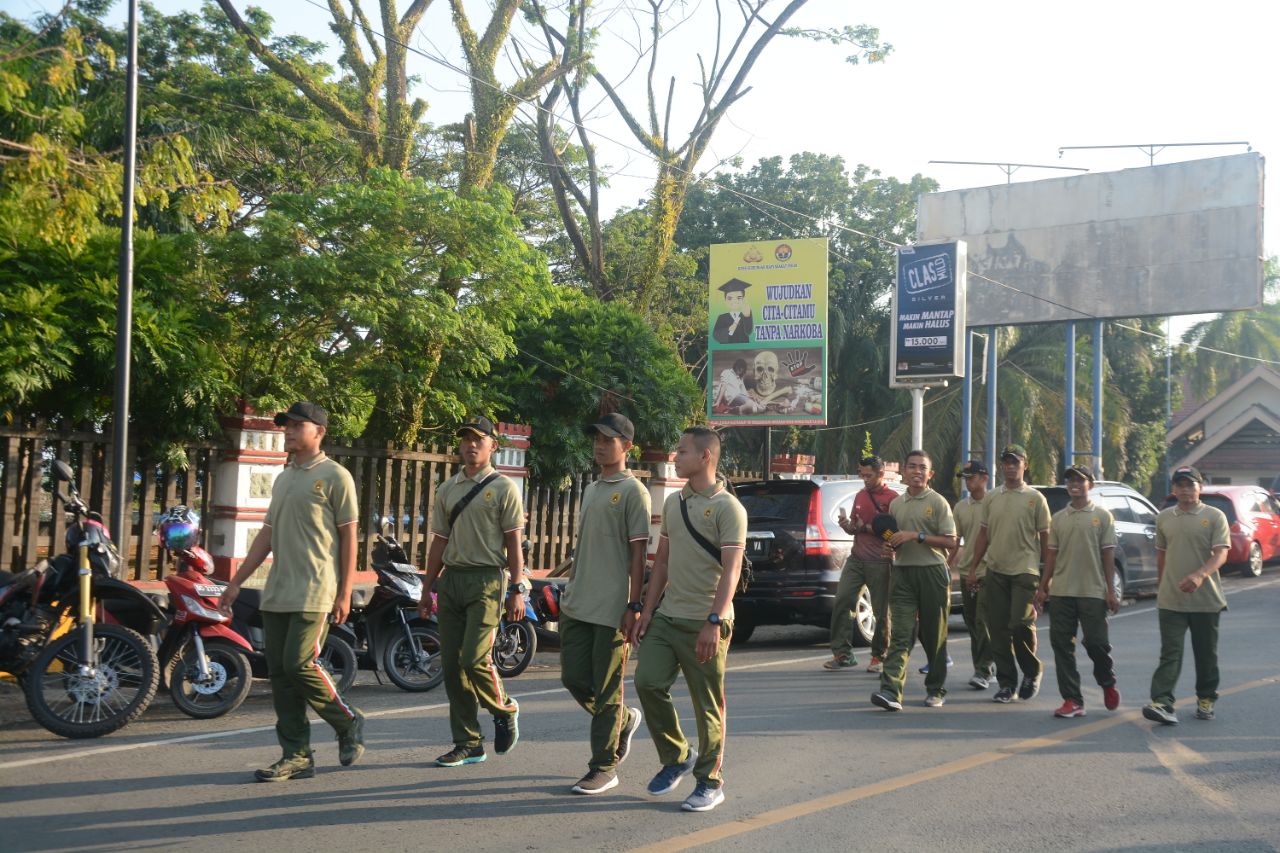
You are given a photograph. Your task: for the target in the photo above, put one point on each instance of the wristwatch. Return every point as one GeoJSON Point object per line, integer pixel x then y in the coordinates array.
{"type": "Point", "coordinates": [714, 618]}
{"type": "Point", "coordinates": [920, 537]}
{"type": "Point", "coordinates": [513, 588]}
{"type": "Point", "coordinates": [635, 606]}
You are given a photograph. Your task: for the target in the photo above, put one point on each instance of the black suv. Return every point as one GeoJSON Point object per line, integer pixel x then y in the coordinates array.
{"type": "Point", "coordinates": [1135, 531]}
{"type": "Point", "coordinates": [797, 550]}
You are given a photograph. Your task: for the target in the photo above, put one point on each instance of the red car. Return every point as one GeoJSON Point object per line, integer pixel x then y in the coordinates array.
{"type": "Point", "coordinates": [1254, 517]}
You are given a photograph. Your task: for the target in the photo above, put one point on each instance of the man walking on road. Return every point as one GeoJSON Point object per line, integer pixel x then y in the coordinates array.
{"type": "Point", "coordinates": [969, 513]}
{"type": "Point", "coordinates": [1080, 573]}
{"type": "Point", "coordinates": [867, 566]}
{"type": "Point", "coordinates": [311, 531]}
{"type": "Point", "coordinates": [1014, 539]}
{"type": "Point", "coordinates": [695, 574]}
{"type": "Point", "coordinates": [1192, 540]}
{"type": "Point", "coordinates": [476, 562]}
{"type": "Point", "coordinates": [920, 596]}
{"type": "Point", "coordinates": [602, 600]}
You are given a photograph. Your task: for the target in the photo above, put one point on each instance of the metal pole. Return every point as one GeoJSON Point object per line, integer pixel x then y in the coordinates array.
{"type": "Point", "coordinates": [993, 358]}
{"type": "Point", "coordinates": [917, 418]}
{"type": "Point", "coordinates": [768, 453]}
{"type": "Point", "coordinates": [1097, 398]}
{"type": "Point", "coordinates": [1069, 451]}
{"type": "Point", "coordinates": [122, 476]}
{"type": "Point", "coordinates": [966, 393]}
{"type": "Point", "coordinates": [1168, 395]}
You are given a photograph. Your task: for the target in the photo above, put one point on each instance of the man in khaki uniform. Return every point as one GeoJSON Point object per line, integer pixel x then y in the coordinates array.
{"type": "Point", "coordinates": [1080, 572]}
{"type": "Point", "coordinates": [969, 512]}
{"type": "Point", "coordinates": [689, 633]}
{"type": "Point", "coordinates": [476, 563]}
{"type": "Point", "coordinates": [920, 592]}
{"type": "Point", "coordinates": [1014, 539]}
{"type": "Point", "coordinates": [311, 530]}
{"type": "Point", "coordinates": [602, 600]}
{"type": "Point", "coordinates": [1192, 540]}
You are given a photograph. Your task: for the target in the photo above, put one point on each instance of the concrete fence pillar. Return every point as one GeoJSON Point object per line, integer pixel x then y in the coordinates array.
{"type": "Point", "coordinates": [245, 473]}
{"type": "Point", "coordinates": [511, 457]}
{"type": "Point", "coordinates": [662, 483]}
{"type": "Point", "coordinates": [792, 466]}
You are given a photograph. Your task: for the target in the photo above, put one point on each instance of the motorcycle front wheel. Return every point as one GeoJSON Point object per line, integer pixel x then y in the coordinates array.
{"type": "Point", "coordinates": [514, 647]}
{"type": "Point", "coordinates": [223, 691]}
{"type": "Point", "coordinates": [72, 699]}
{"type": "Point", "coordinates": [414, 665]}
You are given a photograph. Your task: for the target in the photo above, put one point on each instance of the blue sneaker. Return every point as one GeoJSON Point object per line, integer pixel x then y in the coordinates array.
{"type": "Point", "coordinates": [506, 731]}
{"type": "Point", "coordinates": [670, 775]}
{"type": "Point", "coordinates": [703, 799]}
{"type": "Point", "coordinates": [460, 755]}
{"type": "Point", "coordinates": [924, 670]}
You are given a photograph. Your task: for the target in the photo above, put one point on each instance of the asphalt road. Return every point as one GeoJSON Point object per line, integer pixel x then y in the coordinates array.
{"type": "Point", "coordinates": [810, 766]}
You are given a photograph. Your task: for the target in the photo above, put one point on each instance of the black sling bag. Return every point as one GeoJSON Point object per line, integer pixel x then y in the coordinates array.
{"type": "Point", "coordinates": [744, 576]}
{"type": "Point", "coordinates": [468, 498]}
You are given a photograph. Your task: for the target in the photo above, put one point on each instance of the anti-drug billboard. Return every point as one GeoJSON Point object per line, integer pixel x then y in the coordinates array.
{"type": "Point", "coordinates": [927, 345]}
{"type": "Point", "coordinates": [767, 333]}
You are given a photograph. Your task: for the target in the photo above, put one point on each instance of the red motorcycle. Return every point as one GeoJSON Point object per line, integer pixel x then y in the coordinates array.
{"type": "Point", "coordinates": [206, 662]}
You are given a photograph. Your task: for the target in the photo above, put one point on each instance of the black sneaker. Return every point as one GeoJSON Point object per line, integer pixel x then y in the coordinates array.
{"type": "Point", "coordinates": [290, 767]}
{"type": "Point", "coordinates": [506, 731]}
{"type": "Point", "coordinates": [1029, 687]}
{"type": "Point", "coordinates": [884, 700]}
{"type": "Point", "coordinates": [460, 755]}
{"type": "Point", "coordinates": [351, 742]}
{"type": "Point", "coordinates": [1157, 713]}
{"type": "Point", "coordinates": [596, 782]}
{"type": "Point", "coordinates": [628, 732]}
{"type": "Point", "coordinates": [1004, 696]}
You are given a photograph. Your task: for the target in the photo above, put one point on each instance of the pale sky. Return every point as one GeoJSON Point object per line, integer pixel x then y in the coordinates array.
{"type": "Point", "coordinates": [993, 80]}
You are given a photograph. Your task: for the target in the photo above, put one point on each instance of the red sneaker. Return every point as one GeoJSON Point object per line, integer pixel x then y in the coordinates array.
{"type": "Point", "coordinates": [1111, 697]}
{"type": "Point", "coordinates": [1070, 708]}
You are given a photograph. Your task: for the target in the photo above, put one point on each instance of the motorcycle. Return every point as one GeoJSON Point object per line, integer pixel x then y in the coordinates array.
{"type": "Point", "coordinates": [386, 632]}
{"type": "Point", "coordinates": [102, 674]}
{"type": "Point", "coordinates": [516, 642]}
{"type": "Point", "coordinates": [207, 664]}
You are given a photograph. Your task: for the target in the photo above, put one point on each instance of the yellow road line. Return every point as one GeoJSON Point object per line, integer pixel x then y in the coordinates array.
{"type": "Point", "coordinates": [776, 816]}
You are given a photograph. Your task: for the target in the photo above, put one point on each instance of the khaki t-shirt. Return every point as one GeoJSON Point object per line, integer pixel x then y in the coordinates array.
{"type": "Point", "coordinates": [615, 512]}
{"type": "Point", "coordinates": [477, 538]}
{"type": "Point", "coordinates": [1187, 538]}
{"type": "Point", "coordinates": [308, 505]}
{"type": "Point", "coordinates": [969, 514]}
{"type": "Point", "coordinates": [1080, 536]}
{"type": "Point", "coordinates": [927, 512]}
{"type": "Point", "coordinates": [1014, 521]}
{"type": "Point", "coordinates": [692, 573]}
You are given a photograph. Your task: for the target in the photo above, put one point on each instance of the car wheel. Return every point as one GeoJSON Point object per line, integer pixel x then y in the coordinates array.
{"type": "Point", "coordinates": [1120, 586]}
{"type": "Point", "coordinates": [864, 619]}
{"type": "Point", "coordinates": [1253, 568]}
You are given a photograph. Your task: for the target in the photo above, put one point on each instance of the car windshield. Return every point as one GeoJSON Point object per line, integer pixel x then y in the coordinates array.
{"type": "Point", "coordinates": [763, 503]}
{"type": "Point", "coordinates": [1221, 502]}
{"type": "Point", "coordinates": [1056, 497]}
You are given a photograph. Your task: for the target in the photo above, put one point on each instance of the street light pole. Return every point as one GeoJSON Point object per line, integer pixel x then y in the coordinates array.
{"type": "Point", "coordinates": [122, 475]}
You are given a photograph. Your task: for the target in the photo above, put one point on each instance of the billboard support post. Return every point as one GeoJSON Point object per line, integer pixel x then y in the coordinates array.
{"type": "Point", "coordinates": [1069, 416]}
{"type": "Point", "coordinates": [966, 397]}
{"type": "Point", "coordinates": [1097, 398]}
{"type": "Point", "coordinates": [917, 416]}
{"type": "Point", "coordinates": [992, 376]}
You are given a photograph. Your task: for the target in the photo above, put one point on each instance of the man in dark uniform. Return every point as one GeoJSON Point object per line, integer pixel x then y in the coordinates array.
{"type": "Point", "coordinates": [735, 325]}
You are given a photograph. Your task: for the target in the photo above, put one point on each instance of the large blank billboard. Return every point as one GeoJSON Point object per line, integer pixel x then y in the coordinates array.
{"type": "Point", "coordinates": [1182, 238]}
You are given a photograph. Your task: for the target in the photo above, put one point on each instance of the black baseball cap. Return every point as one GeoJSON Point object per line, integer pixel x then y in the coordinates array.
{"type": "Point", "coordinates": [1186, 472]}
{"type": "Point", "coordinates": [480, 425]}
{"type": "Point", "coordinates": [1084, 472]}
{"type": "Point", "coordinates": [973, 468]}
{"type": "Point", "coordinates": [614, 425]}
{"type": "Point", "coordinates": [1015, 450]}
{"type": "Point", "coordinates": [303, 411]}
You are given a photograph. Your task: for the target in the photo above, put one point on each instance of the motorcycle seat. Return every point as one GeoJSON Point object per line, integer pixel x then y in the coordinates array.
{"type": "Point", "coordinates": [23, 580]}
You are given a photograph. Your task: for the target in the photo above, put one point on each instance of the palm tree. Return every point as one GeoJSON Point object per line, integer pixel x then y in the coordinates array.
{"type": "Point", "coordinates": [1247, 333]}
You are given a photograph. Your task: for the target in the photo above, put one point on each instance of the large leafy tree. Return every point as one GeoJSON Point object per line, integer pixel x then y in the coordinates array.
{"type": "Point", "coordinates": [584, 359]}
